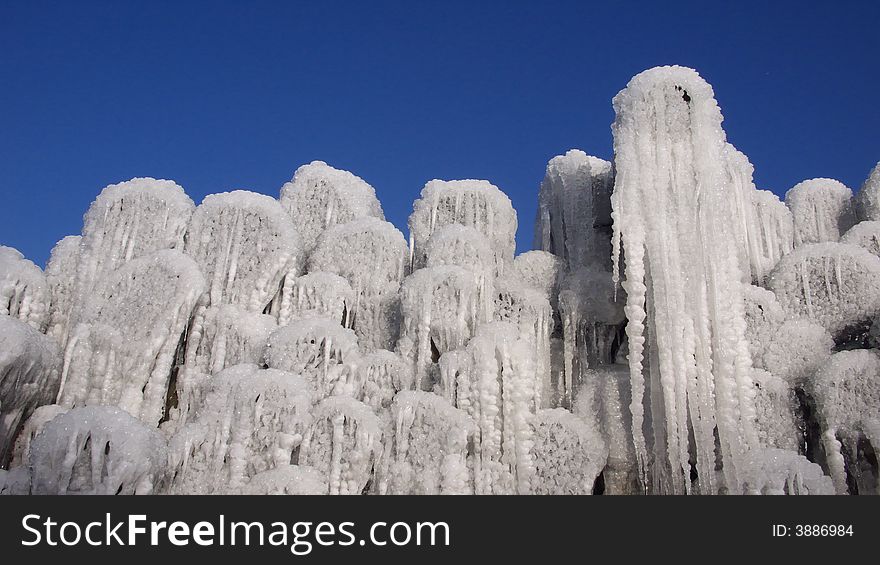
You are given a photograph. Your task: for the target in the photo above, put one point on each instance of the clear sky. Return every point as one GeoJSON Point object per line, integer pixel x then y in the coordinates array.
{"type": "Point", "coordinates": [225, 95]}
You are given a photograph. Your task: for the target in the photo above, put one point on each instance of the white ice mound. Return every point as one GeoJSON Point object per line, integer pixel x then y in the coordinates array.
{"type": "Point", "coordinates": [460, 245]}
{"type": "Point", "coordinates": [568, 452]}
{"type": "Point", "coordinates": [822, 210]}
{"type": "Point", "coordinates": [320, 350]}
{"type": "Point", "coordinates": [371, 254]}
{"type": "Point", "coordinates": [320, 196]}
{"type": "Point", "coordinates": [847, 394]}
{"type": "Point", "coordinates": [574, 210]}
{"type": "Point", "coordinates": [530, 311]}
{"type": "Point", "coordinates": [866, 235]}
{"type": "Point", "coordinates": [676, 220]}
{"type": "Point", "coordinates": [287, 480]}
{"type": "Point", "coordinates": [61, 280]}
{"type": "Point", "coordinates": [867, 201]}
{"type": "Point", "coordinates": [30, 366]}
{"type": "Point", "coordinates": [245, 244]}
{"type": "Point", "coordinates": [97, 450]}
{"type": "Point", "coordinates": [130, 220]}
{"type": "Point", "coordinates": [226, 335]}
{"type": "Point", "coordinates": [428, 448]}
{"type": "Point", "coordinates": [776, 405]}
{"type": "Point", "coordinates": [318, 292]}
{"type": "Point", "coordinates": [775, 228]}
{"type": "Point", "coordinates": [473, 203]}
{"type": "Point", "coordinates": [249, 420]}
{"type": "Point", "coordinates": [441, 308]}
{"type": "Point", "coordinates": [381, 375]}
{"type": "Point", "coordinates": [793, 350]}
{"type": "Point", "coordinates": [539, 270]}
{"type": "Point", "coordinates": [785, 472]}
{"type": "Point", "coordinates": [31, 428]}
{"type": "Point", "coordinates": [343, 443]}
{"type": "Point", "coordinates": [123, 351]}
{"type": "Point", "coordinates": [24, 292]}
{"type": "Point", "coordinates": [494, 381]}
{"type": "Point", "coordinates": [836, 285]}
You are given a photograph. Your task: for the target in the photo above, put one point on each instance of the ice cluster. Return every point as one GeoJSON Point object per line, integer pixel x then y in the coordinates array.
{"type": "Point", "coordinates": [675, 330]}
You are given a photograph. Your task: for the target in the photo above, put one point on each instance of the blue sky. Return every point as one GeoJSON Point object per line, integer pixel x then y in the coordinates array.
{"type": "Point", "coordinates": [226, 95]}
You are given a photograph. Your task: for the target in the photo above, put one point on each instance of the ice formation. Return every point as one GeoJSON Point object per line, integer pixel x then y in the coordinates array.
{"type": "Point", "coordinates": [539, 270]}
{"type": "Point", "coordinates": [473, 203]}
{"type": "Point", "coordinates": [865, 235]}
{"type": "Point", "coordinates": [286, 479]}
{"type": "Point", "coordinates": [592, 326]}
{"type": "Point", "coordinates": [675, 330]}
{"type": "Point", "coordinates": [320, 350]}
{"type": "Point", "coordinates": [381, 375]}
{"type": "Point", "coordinates": [124, 348]}
{"type": "Point", "coordinates": [30, 366]}
{"type": "Point", "coordinates": [867, 202]}
{"type": "Point", "coordinates": [61, 281]}
{"type": "Point", "coordinates": [574, 210]}
{"type": "Point", "coordinates": [243, 421]}
{"type": "Point", "coordinates": [245, 244]}
{"type": "Point", "coordinates": [776, 405]}
{"type": "Point", "coordinates": [835, 285]}
{"type": "Point", "coordinates": [324, 293]}
{"type": "Point", "coordinates": [775, 227]}
{"type": "Point", "coordinates": [568, 453]}
{"type": "Point", "coordinates": [33, 426]}
{"type": "Point", "coordinates": [24, 292]}
{"type": "Point", "coordinates": [428, 447]}
{"type": "Point", "coordinates": [530, 311]}
{"type": "Point", "coordinates": [226, 335]}
{"type": "Point", "coordinates": [603, 401]}
{"type": "Point", "coordinates": [784, 472]}
{"type": "Point", "coordinates": [129, 220]}
{"type": "Point", "coordinates": [494, 381]}
{"type": "Point", "coordinates": [343, 443]}
{"type": "Point", "coordinates": [847, 392]}
{"type": "Point", "coordinates": [320, 197]}
{"type": "Point", "coordinates": [97, 450]}
{"type": "Point", "coordinates": [676, 218]}
{"type": "Point", "coordinates": [821, 210]}
{"type": "Point", "coordinates": [371, 254]}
